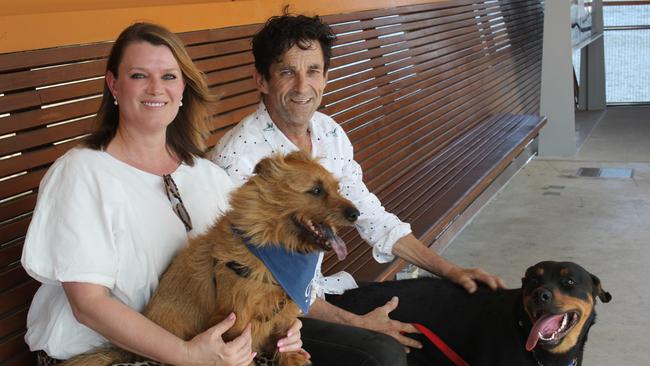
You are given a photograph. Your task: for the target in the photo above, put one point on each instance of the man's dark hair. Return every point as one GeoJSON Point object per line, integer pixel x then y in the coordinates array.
{"type": "Point", "coordinates": [280, 33]}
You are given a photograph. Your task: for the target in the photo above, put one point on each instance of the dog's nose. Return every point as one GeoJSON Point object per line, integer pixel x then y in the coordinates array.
{"type": "Point", "coordinates": [543, 295]}
{"type": "Point", "coordinates": [351, 213]}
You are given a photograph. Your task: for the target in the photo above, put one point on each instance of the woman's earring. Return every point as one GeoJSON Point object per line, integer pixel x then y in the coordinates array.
{"type": "Point", "coordinates": [180, 104]}
{"type": "Point", "coordinates": [114, 100]}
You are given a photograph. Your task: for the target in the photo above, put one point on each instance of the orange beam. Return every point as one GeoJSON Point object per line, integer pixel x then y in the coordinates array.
{"type": "Point", "coordinates": [34, 24]}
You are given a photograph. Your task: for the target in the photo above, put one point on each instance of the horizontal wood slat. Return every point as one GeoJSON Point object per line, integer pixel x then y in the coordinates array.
{"type": "Point", "coordinates": [14, 297]}
{"type": "Point", "coordinates": [14, 350]}
{"type": "Point", "coordinates": [436, 98]}
{"type": "Point", "coordinates": [24, 358]}
{"type": "Point", "coordinates": [10, 254]}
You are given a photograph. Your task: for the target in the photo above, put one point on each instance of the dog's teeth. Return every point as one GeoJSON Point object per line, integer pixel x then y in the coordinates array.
{"type": "Point", "coordinates": [552, 337]}
{"type": "Point", "coordinates": [565, 320]}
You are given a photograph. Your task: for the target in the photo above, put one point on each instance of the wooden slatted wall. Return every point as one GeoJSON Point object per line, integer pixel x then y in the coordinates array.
{"type": "Point", "coordinates": [419, 89]}
{"type": "Point", "coordinates": [421, 80]}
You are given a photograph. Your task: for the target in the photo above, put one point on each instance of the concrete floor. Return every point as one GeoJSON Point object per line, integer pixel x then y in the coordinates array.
{"type": "Point", "coordinates": [547, 213]}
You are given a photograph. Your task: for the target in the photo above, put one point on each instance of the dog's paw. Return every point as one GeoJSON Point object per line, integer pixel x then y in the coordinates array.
{"type": "Point", "coordinates": [293, 359]}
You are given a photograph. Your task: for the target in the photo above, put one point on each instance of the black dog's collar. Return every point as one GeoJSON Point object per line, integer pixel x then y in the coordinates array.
{"type": "Point", "coordinates": [573, 362]}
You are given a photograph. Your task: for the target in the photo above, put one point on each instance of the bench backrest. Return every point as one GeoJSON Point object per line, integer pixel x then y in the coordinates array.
{"type": "Point", "coordinates": [405, 82]}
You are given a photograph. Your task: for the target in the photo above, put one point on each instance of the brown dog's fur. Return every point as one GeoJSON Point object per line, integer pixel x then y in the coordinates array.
{"type": "Point", "coordinates": [198, 290]}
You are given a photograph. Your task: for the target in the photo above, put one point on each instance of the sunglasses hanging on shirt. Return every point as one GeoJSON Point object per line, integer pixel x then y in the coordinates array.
{"type": "Point", "coordinates": [177, 203]}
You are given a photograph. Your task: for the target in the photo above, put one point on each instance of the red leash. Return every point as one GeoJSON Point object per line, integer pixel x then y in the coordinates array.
{"type": "Point", "coordinates": [442, 346]}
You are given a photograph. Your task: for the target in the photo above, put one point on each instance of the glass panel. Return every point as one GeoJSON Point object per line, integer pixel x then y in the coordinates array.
{"type": "Point", "coordinates": [576, 63]}
{"type": "Point", "coordinates": [627, 52]}
{"type": "Point", "coordinates": [616, 16]}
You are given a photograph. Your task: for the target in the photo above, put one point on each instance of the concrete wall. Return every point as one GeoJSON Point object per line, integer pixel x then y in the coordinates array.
{"type": "Point", "coordinates": [558, 137]}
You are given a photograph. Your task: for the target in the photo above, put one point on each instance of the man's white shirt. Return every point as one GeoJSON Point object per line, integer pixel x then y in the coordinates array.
{"type": "Point", "coordinates": [256, 137]}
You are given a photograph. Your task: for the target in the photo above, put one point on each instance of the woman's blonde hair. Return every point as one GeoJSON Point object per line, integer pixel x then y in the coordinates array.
{"type": "Point", "coordinates": [187, 132]}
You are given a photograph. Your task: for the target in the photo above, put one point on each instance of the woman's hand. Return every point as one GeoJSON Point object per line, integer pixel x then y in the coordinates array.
{"type": "Point", "coordinates": [379, 321]}
{"type": "Point", "coordinates": [292, 342]}
{"type": "Point", "coordinates": [208, 348]}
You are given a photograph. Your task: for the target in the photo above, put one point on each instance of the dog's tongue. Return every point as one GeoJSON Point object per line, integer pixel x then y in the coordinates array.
{"type": "Point", "coordinates": [336, 242]}
{"type": "Point", "coordinates": [339, 247]}
{"type": "Point", "coordinates": [545, 325]}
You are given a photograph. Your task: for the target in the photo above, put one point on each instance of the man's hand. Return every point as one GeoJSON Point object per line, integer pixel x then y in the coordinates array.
{"type": "Point", "coordinates": [413, 251]}
{"type": "Point", "coordinates": [379, 321]}
{"type": "Point", "coordinates": [467, 277]}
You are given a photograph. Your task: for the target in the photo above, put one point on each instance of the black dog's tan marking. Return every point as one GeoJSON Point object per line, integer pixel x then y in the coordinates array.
{"type": "Point", "coordinates": [551, 315]}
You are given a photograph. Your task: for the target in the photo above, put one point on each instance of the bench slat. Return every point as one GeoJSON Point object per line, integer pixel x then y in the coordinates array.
{"type": "Point", "coordinates": [51, 75]}
{"type": "Point", "coordinates": [10, 254]}
{"type": "Point", "coordinates": [14, 351]}
{"type": "Point", "coordinates": [52, 56]}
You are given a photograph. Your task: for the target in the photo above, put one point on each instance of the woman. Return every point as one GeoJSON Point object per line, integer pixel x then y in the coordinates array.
{"type": "Point", "coordinates": [111, 214]}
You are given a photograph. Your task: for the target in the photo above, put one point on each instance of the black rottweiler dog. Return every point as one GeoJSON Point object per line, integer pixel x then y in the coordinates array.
{"type": "Point", "coordinates": [544, 323]}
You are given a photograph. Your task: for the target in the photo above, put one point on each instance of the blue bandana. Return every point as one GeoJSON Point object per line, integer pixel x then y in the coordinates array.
{"type": "Point", "coordinates": [293, 271]}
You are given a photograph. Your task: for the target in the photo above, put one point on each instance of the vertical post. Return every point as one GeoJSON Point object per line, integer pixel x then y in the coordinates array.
{"type": "Point", "coordinates": [557, 104]}
{"type": "Point", "coordinates": [582, 79]}
{"type": "Point", "coordinates": [595, 55]}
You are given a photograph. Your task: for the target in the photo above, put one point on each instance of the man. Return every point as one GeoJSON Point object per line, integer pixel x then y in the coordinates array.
{"type": "Point", "coordinates": [292, 55]}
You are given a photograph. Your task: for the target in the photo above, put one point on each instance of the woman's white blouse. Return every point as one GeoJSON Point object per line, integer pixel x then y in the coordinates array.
{"type": "Point", "coordinates": [101, 221]}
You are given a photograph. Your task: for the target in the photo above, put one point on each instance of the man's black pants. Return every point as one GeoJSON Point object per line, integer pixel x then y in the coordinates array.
{"type": "Point", "coordinates": [333, 344]}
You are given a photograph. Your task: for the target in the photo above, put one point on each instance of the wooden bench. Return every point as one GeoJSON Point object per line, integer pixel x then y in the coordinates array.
{"type": "Point", "coordinates": [437, 99]}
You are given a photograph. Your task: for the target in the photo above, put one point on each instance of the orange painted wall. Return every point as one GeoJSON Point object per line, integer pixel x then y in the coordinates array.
{"type": "Point", "coordinates": [33, 24]}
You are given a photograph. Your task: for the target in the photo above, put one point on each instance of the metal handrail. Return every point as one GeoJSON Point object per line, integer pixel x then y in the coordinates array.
{"type": "Point", "coordinates": [625, 3]}
{"type": "Point", "coordinates": [626, 27]}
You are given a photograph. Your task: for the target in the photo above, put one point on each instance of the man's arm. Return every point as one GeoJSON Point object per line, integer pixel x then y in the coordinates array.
{"type": "Point", "coordinates": [414, 251]}
{"type": "Point", "coordinates": [391, 237]}
{"type": "Point", "coordinates": [377, 320]}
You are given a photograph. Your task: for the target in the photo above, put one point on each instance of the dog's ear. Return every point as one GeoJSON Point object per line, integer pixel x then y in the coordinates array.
{"type": "Point", "coordinates": [298, 155]}
{"type": "Point", "coordinates": [603, 295]}
{"type": "Point", "coordinates": [266, 167]}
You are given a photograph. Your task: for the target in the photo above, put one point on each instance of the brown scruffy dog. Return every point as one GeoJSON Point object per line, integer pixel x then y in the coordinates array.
{"type": "Point", "coordinates": [291, 201]}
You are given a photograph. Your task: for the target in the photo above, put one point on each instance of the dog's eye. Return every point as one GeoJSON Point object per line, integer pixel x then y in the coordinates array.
{"type": "Point", "coordinates": [534, 282]}
{"type": "Point", "coordinates": [317, 191]}
{"type": "Point", "coordinates": [568, 282]}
